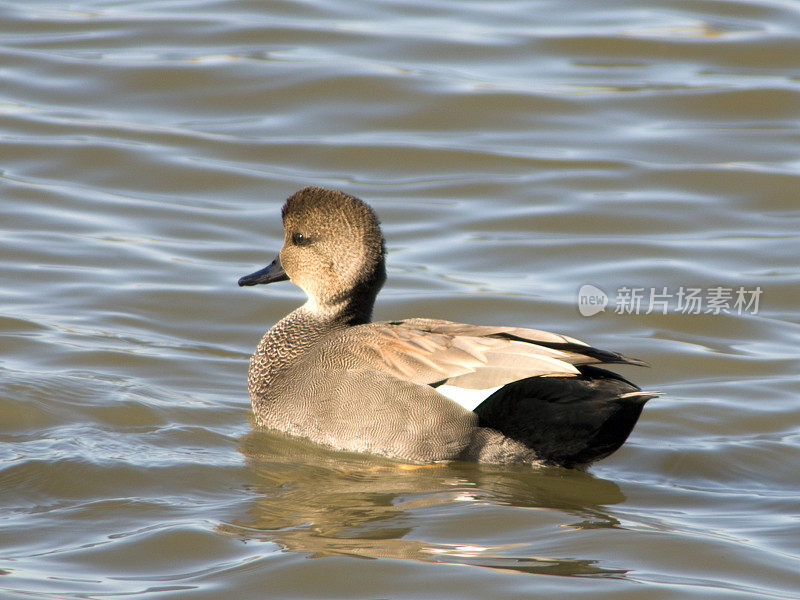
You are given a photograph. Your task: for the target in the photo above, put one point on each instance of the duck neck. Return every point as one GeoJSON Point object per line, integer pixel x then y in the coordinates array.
{"type": "Point", "coordinates": [355, 306]}
{"type": "Point", "coordinates": [297, 332]}
{"type": "Point", "coordinates": [301, 329]}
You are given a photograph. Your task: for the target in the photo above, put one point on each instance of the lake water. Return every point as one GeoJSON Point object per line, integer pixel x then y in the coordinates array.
{"type": "Point", "coordinates": [515, 152]}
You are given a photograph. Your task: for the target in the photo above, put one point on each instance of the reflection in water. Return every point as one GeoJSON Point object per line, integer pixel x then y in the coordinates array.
{"type": "Point", "coordinates": [324, 503]}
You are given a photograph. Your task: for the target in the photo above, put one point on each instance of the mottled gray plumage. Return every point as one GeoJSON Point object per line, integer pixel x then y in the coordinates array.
{"type": "Point", "coordinates": [325, 372]}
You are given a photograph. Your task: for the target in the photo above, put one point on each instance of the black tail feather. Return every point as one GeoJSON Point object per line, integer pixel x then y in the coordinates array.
{"type": "Point", "coordinates": [568, 421]}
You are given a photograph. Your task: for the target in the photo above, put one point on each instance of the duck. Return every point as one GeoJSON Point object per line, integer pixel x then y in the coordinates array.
{"type": "Point", "coordinates": [328, 373]}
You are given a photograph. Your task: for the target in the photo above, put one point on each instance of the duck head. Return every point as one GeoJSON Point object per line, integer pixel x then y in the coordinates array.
{"type": "Point", "coordinates": [333, 250]}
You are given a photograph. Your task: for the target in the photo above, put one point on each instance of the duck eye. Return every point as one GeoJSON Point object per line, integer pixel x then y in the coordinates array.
{"type": "Point", "coordinates": [298, 239]}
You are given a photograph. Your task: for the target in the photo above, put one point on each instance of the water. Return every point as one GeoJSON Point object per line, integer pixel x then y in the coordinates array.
{"type": "Point", "coordinates": [515, 151]}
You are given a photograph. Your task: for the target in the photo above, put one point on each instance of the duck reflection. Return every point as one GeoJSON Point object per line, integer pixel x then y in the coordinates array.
{"type": "Point", "coordinates": [331, 503]}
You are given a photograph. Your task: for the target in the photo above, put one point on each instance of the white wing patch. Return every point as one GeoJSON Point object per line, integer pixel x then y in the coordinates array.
{"type": "Point", "coordinates": [469, 399]}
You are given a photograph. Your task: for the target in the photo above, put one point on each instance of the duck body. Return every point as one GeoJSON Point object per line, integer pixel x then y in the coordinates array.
{"type": "Point", "coordinates": [327, 373]}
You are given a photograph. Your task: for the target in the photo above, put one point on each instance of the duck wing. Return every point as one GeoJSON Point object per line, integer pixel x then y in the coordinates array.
{"type": "Point", "coordinates": [436, 352]}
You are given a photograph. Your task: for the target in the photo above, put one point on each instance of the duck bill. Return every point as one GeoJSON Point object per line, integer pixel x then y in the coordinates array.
{"type": "Point", "coordinates": [271, 273]}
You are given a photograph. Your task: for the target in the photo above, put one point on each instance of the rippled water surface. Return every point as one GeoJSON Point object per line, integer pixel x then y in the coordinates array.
{"type": "Point", "coordinates": [515, 151]}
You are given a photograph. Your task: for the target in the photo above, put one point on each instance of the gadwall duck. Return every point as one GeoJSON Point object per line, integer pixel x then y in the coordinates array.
{"type": "Point", "coordinates": [327, 373]}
